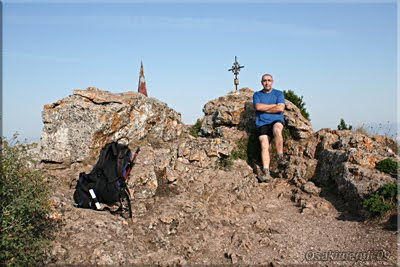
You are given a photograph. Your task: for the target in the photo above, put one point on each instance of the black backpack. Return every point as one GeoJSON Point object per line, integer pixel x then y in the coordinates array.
{"type": "Point", "coordinates": [106, 183]}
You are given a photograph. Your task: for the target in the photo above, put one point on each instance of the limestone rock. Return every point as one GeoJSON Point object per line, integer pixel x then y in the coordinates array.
{"type": "Point", "coordinates": [143, 179]}
{"type": "Point", "coordinates": [203, 151]}
{"type": "Point", "coordinates": [343, 159]}
{"type": "Point", "coordinates": [348, 159]}
{"type": "Point", "coordinates": [236, 110]}
{"type": "Point", "coordinates": [233, 109]}
{"type": "Point", "coordinates": [78, 126]}
{"type": "Point", "coordinates": [299, 127]}
{"type": "Point", "coordinates": [310, 188]}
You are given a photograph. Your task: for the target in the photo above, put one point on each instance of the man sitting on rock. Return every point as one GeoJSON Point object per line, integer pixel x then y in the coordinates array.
{"type": "Point", "coordinates": [269, 104]}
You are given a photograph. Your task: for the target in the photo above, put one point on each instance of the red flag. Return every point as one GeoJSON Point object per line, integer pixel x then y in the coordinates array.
{"type": "Point", "coordinates": [142, 83]}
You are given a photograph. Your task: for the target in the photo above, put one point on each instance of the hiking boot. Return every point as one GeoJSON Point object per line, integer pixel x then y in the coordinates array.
{"type": "Point", "coordinates": [282, 162]}
{"type": "Point", "coordinates": [265, 177]}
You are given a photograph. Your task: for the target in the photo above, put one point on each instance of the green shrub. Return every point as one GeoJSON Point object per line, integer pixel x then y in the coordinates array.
{"type": "Point", "coordinates": [195, 129]}
{"type": "Point", "coordinates": [343, 126]}
{"type": "Point", "coordinates": [225, 163]}
{"type": "Point", "coordinates": [247, 149]}
{"type": "Point", "coordinates": [240, 152]}
{"type": "Point", "coordinates": [25, 225]}
{"type": "Point", "coordinates": [388, 165]}
{"type": "Point", "coordinates": [389, 191]}
{"type": "Point", "coordinates": [383, 200]}
{"type": "Point", "coordinates": [298, 102]}
{"type": "Point", "coordinates": [286, 134]}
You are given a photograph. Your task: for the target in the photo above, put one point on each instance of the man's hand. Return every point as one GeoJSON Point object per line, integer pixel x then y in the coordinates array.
{"type": "Point", "coordinates": [270, 108]}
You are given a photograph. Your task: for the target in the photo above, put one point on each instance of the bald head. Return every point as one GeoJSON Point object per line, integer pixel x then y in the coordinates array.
{"type": "Point", "coordinates": [266, 75]}
{"type": "Point", "coordinates": [267, 81]}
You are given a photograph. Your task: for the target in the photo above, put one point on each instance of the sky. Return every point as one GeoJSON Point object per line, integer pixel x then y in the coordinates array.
{"type": "Point", "coordinates": [341, 56]}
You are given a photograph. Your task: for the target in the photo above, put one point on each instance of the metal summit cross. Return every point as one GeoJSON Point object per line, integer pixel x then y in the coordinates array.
{"type": "Point", "coordinates": [235, 69]}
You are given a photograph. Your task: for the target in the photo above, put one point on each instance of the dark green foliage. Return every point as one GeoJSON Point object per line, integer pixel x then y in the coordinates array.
{"type": "Point", "coordinates": [343, 126]}
{"type": "Point", "coordinates": [240, 152]}
{"type": "Point", "coordinates": [286, 134]}
{"type": "Point", "coordinates": [225, 163]}
{"type": "Point", "coordinates": [298, 102]}
{"type": "Point", "coordinates": [388, 165]}
{"type": "Point", "coordinates": [383, 200]}
{"type": "Point", "coordinates": [376, 205]}
{"type": "Point", "coordinates": [24, 208]}
{"type": "Point", "coordinates": [195, 129]}
{"type": "Point", "coordinates": [247, 149]}
{"type": "Point", "coordinates": [389, 191]}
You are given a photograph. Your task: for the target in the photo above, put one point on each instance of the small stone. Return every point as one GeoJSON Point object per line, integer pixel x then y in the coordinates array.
{"type": "Point", "coordinates": [166, 219]}
{"type": "Point", "coordinates": [310, 188]}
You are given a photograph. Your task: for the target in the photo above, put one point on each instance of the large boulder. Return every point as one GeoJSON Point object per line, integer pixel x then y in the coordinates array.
{"type": "Point", "coordinates": [340, 160]}
{"type": "Point", "coordinates": [347, 159]}
{"type": "Point", "coordinates": [235, 110]}
{"type": "Point", "coordinates": [78, 126]}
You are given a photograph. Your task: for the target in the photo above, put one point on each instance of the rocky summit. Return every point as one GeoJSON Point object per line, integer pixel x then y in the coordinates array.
{"type": "Point", "coordinates": [78, 126]}
{"type": "Point", "coordinates": [196, 202]}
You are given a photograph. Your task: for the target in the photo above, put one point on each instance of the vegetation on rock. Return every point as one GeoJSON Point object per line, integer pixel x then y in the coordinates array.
{"type": "Point", "coordinates": [343, 126]}
{"type": "Point", "coordinates": [247, 149]}
{"type": "Point", "coordinates": [195, 129]}
{"type": "Point", "coordinates": [25, 208]}
{"type": "Point", "coordinates": [298, 102]}
{"type": "Point", "coordinates": [225, 163]}
{"type": "Point", "coordinates": [383, 200]}
{"type": "Point", "coordinates": [388, 165]}
{"type": "Point", "coordinates": [286, 134]}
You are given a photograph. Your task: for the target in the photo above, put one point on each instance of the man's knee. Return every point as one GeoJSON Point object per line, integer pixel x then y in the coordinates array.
{"type": "Point", "coordinates": [277, 129]}
{"type": "Point", "coordinates": [264, 141]}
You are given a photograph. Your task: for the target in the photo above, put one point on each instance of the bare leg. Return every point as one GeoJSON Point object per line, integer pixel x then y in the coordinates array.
{"type": "Point", "coordinates": [277, 130]}
{"type": "Point", "coordinates": [265, 147]}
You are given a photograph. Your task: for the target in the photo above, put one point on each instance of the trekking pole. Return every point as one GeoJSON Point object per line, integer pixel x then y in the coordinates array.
{"type": "Point", "coordinates": [135, 155]}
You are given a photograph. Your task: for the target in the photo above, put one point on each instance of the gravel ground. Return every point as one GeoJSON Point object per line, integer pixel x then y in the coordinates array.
{"type": "Point", "coordinates": [213, 216]}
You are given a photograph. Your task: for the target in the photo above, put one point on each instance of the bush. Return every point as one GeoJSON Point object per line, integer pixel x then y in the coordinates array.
{"type": "Point", "coordinates": [343, 126]}
{"type": "Point", "coordinates": [225, 163]}
{"type": "Point", "coordinates": [25, 207]}
{"type": "Point", "coordinates": [298, 102]}
{"type": "Point", "coordinates": [388, 166]}
{"type": "Point", "coordinates": [240, 152]}
{"type": "Point", "coordinates": [383, 200]}
{"type": "Point", "coordinates": [247, 149]}
{"type": "Point", "coordinates": [195, 129]}
{"type": "Point", "coordinates": [286, 134]}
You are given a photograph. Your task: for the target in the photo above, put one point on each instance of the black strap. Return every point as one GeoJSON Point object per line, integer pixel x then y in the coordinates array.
{"type": "Point", "coordinates": [71, 184]}
{"type": "Point", "coordinates": [125, 194]}
{"type": "Point", "coordinates": [114, 149]}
